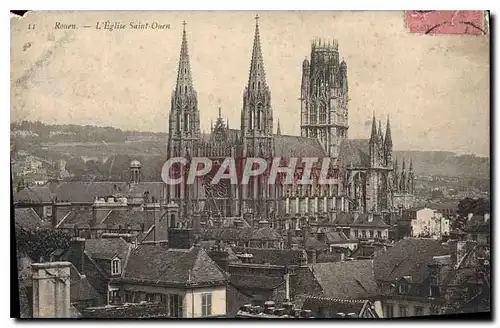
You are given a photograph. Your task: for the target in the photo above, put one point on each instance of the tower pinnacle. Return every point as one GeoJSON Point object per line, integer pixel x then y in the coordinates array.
{"type": "Point", "coordinates": [373, 137]}
{"type": "Point", "coordinates": [388, 138]}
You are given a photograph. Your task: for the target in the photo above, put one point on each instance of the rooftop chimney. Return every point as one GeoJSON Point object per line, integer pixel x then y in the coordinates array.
{"type": "Point", "coordinates": [77, 253]}
{"type": "Point", "coordinates": [51, 290]}
{"type": "Point", "coordinates": [164, 222]}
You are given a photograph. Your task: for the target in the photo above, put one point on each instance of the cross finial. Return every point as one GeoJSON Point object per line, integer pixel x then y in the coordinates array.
{"type": "Point", "coordinates": [184, 25]}
{"type": "Point", "coordinates": [257, 19]}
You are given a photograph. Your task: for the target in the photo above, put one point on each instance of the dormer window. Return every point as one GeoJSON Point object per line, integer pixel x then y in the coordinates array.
{"type": "Point", "coordinates": [403, 287]}
{"type": "Point", "coordinates": [116, 267]}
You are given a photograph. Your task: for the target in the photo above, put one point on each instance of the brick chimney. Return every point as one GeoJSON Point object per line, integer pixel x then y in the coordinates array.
{"type": "Point", "coordinates": [51, 289]}
{"type": "Point", "coordinates": [77, 253]}
{"type": "Point", "coordinates": [164, 222]}
{"type": "Point", "coordinates": [180, 238]}
{"type": "Point", "coordinates": [221, 257]}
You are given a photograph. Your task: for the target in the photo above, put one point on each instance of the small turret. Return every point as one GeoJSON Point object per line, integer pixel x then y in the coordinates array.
{"type": "Point", "coordinates": [388, 144]}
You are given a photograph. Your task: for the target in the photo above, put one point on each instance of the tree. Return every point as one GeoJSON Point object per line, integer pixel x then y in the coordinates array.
{"type": "Point", "coordinates": [478, 206]}
{"type": "Point", "coordinates": [40, 243]}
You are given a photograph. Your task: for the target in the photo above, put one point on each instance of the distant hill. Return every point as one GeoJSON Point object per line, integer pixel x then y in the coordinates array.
{"type": "Point", "coordinates": [445, 163]}
{"type": "Point", "coordinates": [77, 143]}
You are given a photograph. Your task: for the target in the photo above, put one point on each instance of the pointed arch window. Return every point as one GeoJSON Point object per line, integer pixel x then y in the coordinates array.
{"type": "Point", "coordinates": [322, 113]}
{"type": "Point", "coordinates": [185, 89]}
{"type": "Point", "coordinates": [314, 114]}
{"type": "Point", "coordinates": [260, 117]}
{"type": "Point", "coordinates": [258, 86]}
{"type": "Point", "coordinates": [178, 123]}
{"type": "Point", "coordinates": [250, 120]}
{"type": "Point", "coordinates": [186, 121]}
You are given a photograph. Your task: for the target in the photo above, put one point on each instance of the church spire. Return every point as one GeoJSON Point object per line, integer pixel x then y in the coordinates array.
{"type": "Point", "coordinates": [278, 130]}
{"type": "Point", "coordinates": [257, 77]}
{"type": "Point", "coordinates": [373, 137]}
{"type": "Point", "coordinates": [411, 164]}
{"type": "Point", "coordinates": [380, 135]}
{"type": "Point", "coordinates": [184, 79]}
{"type": "Point", "coordinates": [388, 138]}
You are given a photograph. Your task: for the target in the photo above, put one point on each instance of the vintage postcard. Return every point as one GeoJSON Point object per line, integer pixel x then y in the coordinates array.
{"type": "Point", "coordinates": [251, 164]}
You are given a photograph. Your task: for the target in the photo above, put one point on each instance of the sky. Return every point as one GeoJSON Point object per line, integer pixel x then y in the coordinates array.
{"type": "Point", "coordinates": [434, 88]}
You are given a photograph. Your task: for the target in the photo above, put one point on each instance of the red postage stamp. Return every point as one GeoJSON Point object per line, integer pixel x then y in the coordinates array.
{"type": "Point", "coordinates": [446, 21]}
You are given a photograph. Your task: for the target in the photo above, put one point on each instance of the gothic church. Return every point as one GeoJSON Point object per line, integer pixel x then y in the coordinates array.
{"type": "Point", "coordinates": [367, 178]}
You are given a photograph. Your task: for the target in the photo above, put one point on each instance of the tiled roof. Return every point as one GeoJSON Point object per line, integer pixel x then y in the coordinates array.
{"type": "Point", "coordinates": [355, 152]}
{"type": "Point", "coordinates": [408, 257]}
{"type": "Point", "coordinates": [124, 218]}
{"type": "Point", "coordinates": [87, 191]}
{"type": "Point", "coordinates": [272, 256]}
{"type": "Point", "coordinates": [335, 237]}
{"type": "Point", "coordinates": [335, 305]}
{"type": "Point", "coordinates": [331, 257]}
{"type": "Point", "coordinates": [349, 280]}
{"type": "Point", "coordinates": [34, 194]}
{"type": "Point", "coordinates": [28, 218]}
{"type": "Point", "coordinates": [360, 219]}
{"type": "Point", "coordinates": [256, 281]}
{"type": "Point", "coordinates": [266, 233]}
{"type": "Point", "coordinates": [158, 263]}
{"type": "Point", "coordinates": [106, 248]}
{"type": "Point", "coordinates": [78, 218]}
{"type": "Point", "coordinates": [296, 146]}
{"type": "Point", "coordinates": [241, 234]}
{"type": "Point", "coordinates": [312, 243]}
{"type": "Point", "coordinates": [80, 288]}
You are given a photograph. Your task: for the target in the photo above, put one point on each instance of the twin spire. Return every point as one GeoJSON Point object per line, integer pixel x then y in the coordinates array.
{"type": "Point", "coordinates": [377, 136]}
{"type": "Point", "coordinates": [257, 76]}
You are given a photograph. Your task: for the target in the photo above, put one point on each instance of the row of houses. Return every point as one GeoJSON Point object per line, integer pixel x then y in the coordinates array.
{"type": "Point", "coordinates": [199, 279]}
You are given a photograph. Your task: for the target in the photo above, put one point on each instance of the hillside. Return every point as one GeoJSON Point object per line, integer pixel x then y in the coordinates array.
{"type": "Point", "coordinates": [109, 150]}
